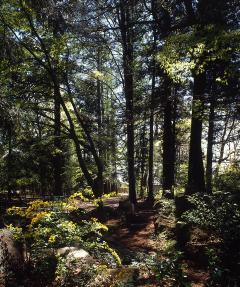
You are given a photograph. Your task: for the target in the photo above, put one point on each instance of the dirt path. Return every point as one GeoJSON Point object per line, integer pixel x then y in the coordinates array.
{"type": "Point", "coordinates": [132, 240]}
{"type": "Point", "coordinates": [135, 236]}
{"type": "Point", "coordinates": [136, 241]}
{"type": "Point", "coordinates": [112, 202]}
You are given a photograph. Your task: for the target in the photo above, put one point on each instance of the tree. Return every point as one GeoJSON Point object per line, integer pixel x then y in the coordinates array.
{"type": "Point", "coordinates": [126, 10]}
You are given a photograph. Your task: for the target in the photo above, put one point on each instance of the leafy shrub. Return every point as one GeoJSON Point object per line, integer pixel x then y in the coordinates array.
{"type": "Point", "coordinates": [74, 273]}
{"type": "Point", "coordinates": [87, 195]}
{"type": "Point", "coordinates": [165, 206]}
{"type": "Point", "coordinates": [220, 214]}
{"type": "Point", "coordinates": [229, 180]}
{"type": "Point", "coordinates": [45, 226]}
{"type": "Point", "coordinates": [84, 195]}
{"type": "Point", "coordinates": [169, 269]}
{"type": "Point", "coordinates": [167, 266]}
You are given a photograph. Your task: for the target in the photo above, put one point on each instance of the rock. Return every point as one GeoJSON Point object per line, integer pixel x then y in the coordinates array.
{"type": "Point", "coordinates": [9, 248]}
{"type": "Point", "coordinates": [11, 258]}
{"type": "Point", "coordinates": [73, 254]}
{"type": "Point", "coordinates": [78, 254]}
{"type": "Point", "coordinates": [65, 250]}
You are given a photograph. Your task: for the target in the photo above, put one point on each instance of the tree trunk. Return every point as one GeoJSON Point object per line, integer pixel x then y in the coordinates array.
{"type": "Point", "coordinates": [168, 140]}
{"type": "Point", "coordinates": [99, 106]}
{"type": "Point", "coordinates": [143, 153]}
{"type": "Point", "coordinates": [209, 168]}
{"type": "Point", "coordinates": [151, 120]}
{"type": "Point", "coordinates": [196, 181]}
{"type": "Point", "coordinates": [57, 157]}
{"type": "Point", "coordinates": [97, 182]}
{"type": "Point", "coordinates": [127, 43]}
{"type": "Point", "coordinates": [9, 164]}
{"type": "Point", "coordinates": [150, 157]}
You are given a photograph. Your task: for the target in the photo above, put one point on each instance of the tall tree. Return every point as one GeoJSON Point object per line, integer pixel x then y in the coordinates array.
{"type": "Point", "coordinates": [126, 28]}
{"type": "Point", "coordinates": [196, 178]}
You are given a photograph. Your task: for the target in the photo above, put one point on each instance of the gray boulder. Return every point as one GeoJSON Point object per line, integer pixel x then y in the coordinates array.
{"type": "Point", "coordinates": [11, 255]}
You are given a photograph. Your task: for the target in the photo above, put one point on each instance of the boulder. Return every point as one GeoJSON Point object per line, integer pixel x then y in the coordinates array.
{"type": "Point", "coordinates": [72, 253]}
{"type": "Point", "coordinates": [11, 256]}
{"type": "Point", "coordinates": [65, 250]}
{"type": "Point", "coordinates": [11, 250]}
{"type": "Point", "coordinates": [78, 254]}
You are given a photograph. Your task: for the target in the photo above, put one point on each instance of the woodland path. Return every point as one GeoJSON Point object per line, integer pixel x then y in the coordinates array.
{"type": "Point", "coordinates": [136, 240]}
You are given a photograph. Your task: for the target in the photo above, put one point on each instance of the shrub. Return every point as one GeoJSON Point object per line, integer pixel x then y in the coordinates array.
{"type": "Point", "coordinates": [220, 215]}
{"type": "Point", "coordinates": [229, 180]}
{"type": "Point", "coordinates": [45, 226]}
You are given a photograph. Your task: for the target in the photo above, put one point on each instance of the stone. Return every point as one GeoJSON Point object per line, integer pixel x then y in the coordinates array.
{"type": "Point", "coordinates": [78, 254]}
{"type": "Point", "coordinates": [9, 248]}
{"type": "Point", "coordinates": [65, 250]}
{"type": "Point", "coordinates": [11, 256]}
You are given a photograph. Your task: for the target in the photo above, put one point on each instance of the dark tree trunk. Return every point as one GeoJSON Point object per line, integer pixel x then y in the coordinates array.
{"type": "Point", "coordinates": [99, 106]}
{"type": "Point", "coordinates": [9, 164]}
{"type": "Point", "coordinates": [113, 146]}
{"type": "Point", "coordinates": [127, 43]}
{"type": "Point", "coordinates": [97, 183]}
{"type": "Point", "coordinates": [143, 144]}
{"type": "Point", "coordinates": [151, 120]}
{"type": "Point", "coordinates": [196, 181]}
{"type": "Point", "coordinates": [98, 187]}
{"type": "Point", "coordinates": [168, 139]}
{"type": "Point", "coordinates": [209, 168]}
{"type": "Point", "coordinates": [79, 152]}
{"type": "Point", "coordinates": [57, 157]}
{"type": "Point", "coordinates": [150, 157]}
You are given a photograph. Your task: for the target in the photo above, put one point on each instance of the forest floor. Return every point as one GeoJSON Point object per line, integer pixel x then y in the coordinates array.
{"type": "Point", "coordinates": [147, 244]}
{"type": "Point", "coordinates": [138, 242]}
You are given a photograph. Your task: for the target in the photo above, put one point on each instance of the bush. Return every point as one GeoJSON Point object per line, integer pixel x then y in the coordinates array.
{"type": "Point", "coordinates": [46, 226]}
{"type": "Point", "coordinates": [220, 215]}
{"type": "Point", "coordinates": [229, 180]}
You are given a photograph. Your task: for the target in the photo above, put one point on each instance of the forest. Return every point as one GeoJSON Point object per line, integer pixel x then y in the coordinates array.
{"type": "Point", "coordinates": [120, 143]}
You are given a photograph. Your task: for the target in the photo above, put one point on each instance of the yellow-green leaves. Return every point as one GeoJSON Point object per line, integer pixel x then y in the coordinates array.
{"type": "Point", "coordinates": [183, 54]}
{"type": "Point", "coordinates": [97, 75]}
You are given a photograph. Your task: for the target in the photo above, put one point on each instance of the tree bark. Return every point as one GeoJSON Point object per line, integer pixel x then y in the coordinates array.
{"type": "Point", "coordinates": [196, 181]}
{"type": "Point", "coordinates": [143, 158]}
{"type": "Point", "coordinates": [209, 168]}
{"type": "Point", "coordinates": [151, 120]}
{"type": "Point", "coordinates": [97, 183]}
{"type": "Point", "coordinates": [151, 148]}
{"type": "Point", "coordinates": [127, 44]}
{"type": "Point", "coordinates": [57, 157]}
{"type": "Point", "coordinates": [9, 164]}
{"type": "Point", "coordinates": [168, 139]}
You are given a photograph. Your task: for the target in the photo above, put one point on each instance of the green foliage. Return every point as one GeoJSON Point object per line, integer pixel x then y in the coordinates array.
{"type": "Point", "coordinates": [183, 54]}
{"type": "Point", "coordinates": [84, 195]}
{"type": "Point", "coordinates": [46, 226]}
{"type": "Point", "coordinates": [74, 273]}
{"type": "Point", "coordinates": [214, 266]}
{"type": "Point", "coordinates": [183, 174]}
{"type": "Point", "coordinates": [167, 266]}
{"type": "Point", "coordinates": [169, 269]}
{"type": "Point", "coordinates": [165, 206]}
{"type": "Point", "coordinates": [229, 179]}
{"type": "Point", "coordinates": [220, 215]}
